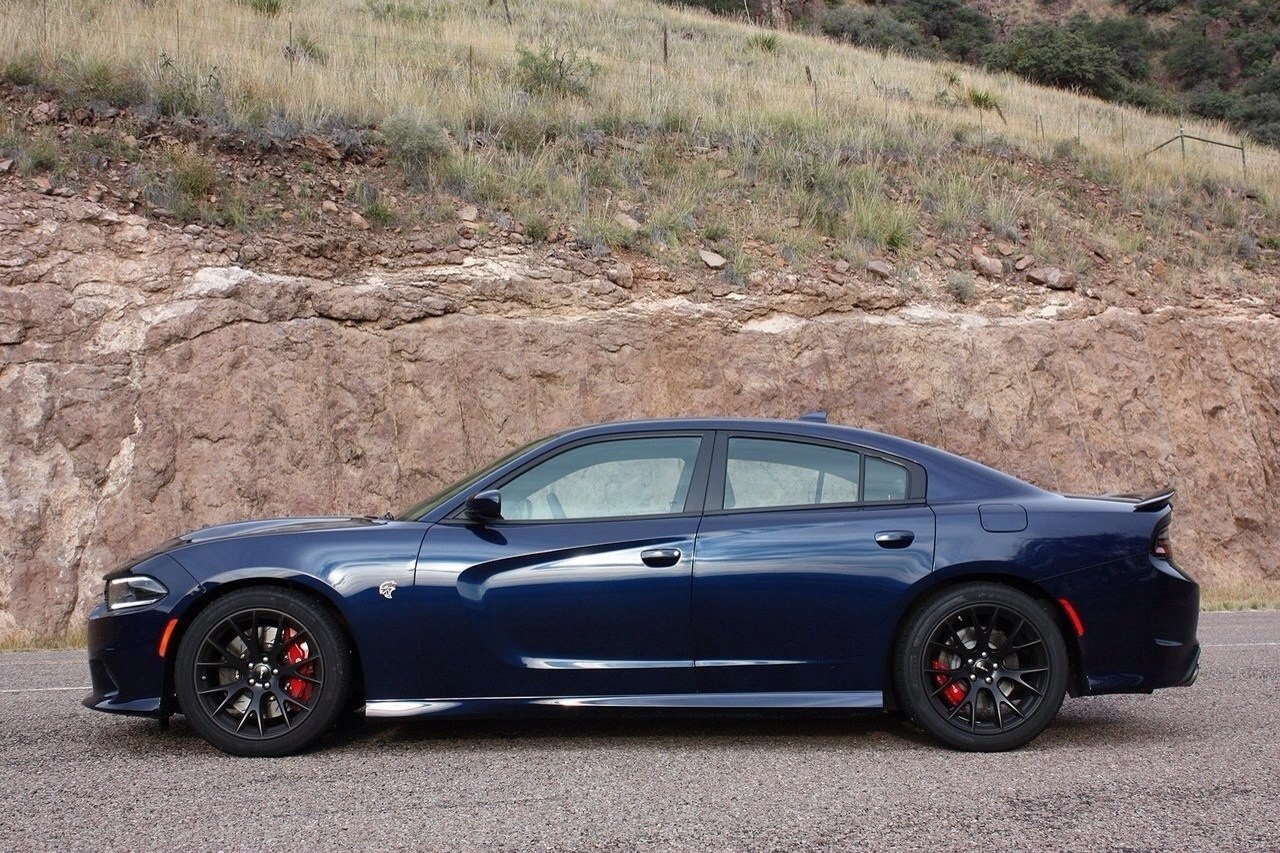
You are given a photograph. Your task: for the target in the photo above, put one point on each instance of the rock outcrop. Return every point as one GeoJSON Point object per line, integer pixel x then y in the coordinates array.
{"type": "Point", "coordinates": [150, 385]}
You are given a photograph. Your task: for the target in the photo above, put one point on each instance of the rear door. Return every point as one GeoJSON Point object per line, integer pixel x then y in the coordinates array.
{"type": "Point", "coordinates": [804, 557]}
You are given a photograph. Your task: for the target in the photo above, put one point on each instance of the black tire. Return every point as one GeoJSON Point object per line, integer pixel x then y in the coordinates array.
{"type": "Point", "coordinates": [263, 671]}
{"type": "Point", "coordinates": [962, 648]}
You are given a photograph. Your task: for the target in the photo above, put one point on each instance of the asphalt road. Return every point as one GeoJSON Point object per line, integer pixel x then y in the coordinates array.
{"type": "Point", "coordinates": [1193, 768]}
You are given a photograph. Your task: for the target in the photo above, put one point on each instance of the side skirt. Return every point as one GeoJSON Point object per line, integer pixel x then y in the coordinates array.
{"type": "Point", "coordinates": [870, 699]}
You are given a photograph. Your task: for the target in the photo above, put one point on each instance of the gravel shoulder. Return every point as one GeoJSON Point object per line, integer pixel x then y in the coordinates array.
{"type": "Point", "coordinates": [1186, 768]}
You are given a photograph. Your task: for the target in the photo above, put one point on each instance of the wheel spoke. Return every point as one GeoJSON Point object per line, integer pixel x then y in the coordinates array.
{"type": "Point", "coordinates": [292, 669]}
{"type": "Point", "coordinates": [276, 694]}
{"type": "Point", "coordinates": [1020, 681]}
{"type": "Point", "coordinates": [231, 694]}
{"type": "Point", "coordinates": [1013, 707]}
{"type": "Point", "coordinates": [231, 657]}
{"type": "Point", "coordinates": [250, 646]}
{"type": "Point", "coordinates": [1006, 648]}
{"type": "Point", "coordinates": [260, 713]}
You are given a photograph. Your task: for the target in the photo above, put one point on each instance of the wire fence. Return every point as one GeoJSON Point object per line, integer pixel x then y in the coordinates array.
{"type": "Point", "coordinates": [358, 53]}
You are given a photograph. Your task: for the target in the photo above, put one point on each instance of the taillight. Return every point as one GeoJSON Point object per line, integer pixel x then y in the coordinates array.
{"type": "Point", "coordinates": [1160, 545]}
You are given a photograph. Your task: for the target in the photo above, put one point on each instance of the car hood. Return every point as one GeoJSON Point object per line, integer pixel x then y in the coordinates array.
{"type": "Point", "coordinates": [238, 529]}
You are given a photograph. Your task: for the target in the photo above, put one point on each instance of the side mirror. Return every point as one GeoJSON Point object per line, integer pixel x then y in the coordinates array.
{"type": "Point", "coordinates": [485, 506]}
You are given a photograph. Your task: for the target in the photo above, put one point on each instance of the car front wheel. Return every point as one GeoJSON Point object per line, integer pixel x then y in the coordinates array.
{"type": "Point", "coordinates": [263, 671]}
{"type": "Point", "coordinates": [982, 667]}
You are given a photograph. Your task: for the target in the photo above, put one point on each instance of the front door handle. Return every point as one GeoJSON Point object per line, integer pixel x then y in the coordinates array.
{"type": "Point", "coordinates": [660, 557]}
{"type": "Point", "coordinates": [895, 538]}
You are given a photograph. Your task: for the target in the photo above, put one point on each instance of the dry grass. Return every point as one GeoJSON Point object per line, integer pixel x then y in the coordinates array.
{"type": "Point", "coordinates": [21, 641]}
{"type": "Point", "coordinates": [1258, 595]}
{"type": "Point", "coordinates": [453, 59]}
{"type": "Point", "coordinates": [531, 106]}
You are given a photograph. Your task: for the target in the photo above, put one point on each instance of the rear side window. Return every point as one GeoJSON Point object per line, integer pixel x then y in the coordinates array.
{"type": "Point", "coordinates": [884, 480]}
{"type": "Point", "coordinates": [771, 473]}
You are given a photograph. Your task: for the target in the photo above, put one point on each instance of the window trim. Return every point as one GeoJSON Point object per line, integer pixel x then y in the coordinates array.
{"type": "Point", "coordinates": [693, 502]}
{"type": "Point", "coordinates": [714, 504]}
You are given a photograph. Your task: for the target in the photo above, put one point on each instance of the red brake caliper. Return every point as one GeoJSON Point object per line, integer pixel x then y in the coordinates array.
{"type": "Point", "coordinates": [954, 692]}
{"type": "Point", "coordinates": [298, 688]}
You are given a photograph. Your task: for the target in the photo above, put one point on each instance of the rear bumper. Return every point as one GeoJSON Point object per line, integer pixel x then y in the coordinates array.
{"type": "Point", "coordinates": [1140, 617]}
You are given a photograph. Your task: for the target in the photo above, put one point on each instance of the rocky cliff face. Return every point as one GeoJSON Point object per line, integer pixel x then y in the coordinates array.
{"type": "Point", "coordinates": [150, 385]}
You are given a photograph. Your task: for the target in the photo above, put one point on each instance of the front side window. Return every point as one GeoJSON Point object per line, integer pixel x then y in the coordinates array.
{"type": "Point", "coordinates": [606, 479]}
{"type": "Point", "coordinates": [771, 473]}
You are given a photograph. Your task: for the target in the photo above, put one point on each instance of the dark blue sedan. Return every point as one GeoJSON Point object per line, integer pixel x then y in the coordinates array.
{"type": "Point", "coordinates": [690, 564]}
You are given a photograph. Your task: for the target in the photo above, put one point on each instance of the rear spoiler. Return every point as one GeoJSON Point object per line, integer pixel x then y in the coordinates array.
{"type": "Point", "coordinates": [1153, 502]}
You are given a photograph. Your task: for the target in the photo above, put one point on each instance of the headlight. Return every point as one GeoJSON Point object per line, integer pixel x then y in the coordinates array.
{"type": "Point", "coordinates": [133, 591]}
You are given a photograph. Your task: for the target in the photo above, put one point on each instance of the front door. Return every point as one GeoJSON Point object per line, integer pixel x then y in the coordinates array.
{"type": "Point", "coordinates": [804, 558]}
{"type": "Point", "coordinates": [582, 588]}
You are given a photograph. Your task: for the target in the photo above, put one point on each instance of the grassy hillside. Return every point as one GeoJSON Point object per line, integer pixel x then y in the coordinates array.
{"type": "Point", "coordinates": [1213, 58]}
{"type": "Point", "coordinates": [572, 114]}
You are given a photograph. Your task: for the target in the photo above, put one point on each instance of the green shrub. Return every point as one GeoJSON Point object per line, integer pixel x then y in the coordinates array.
{"type": "Point", "coordinates": [1132, 39]}
{"type": "Point", "coordinates": [40, 156]}
{"type": "Point", "coordinates": [536, 227]}
{"type": "Point", "coordinates": [764, 42]}
{"type": "Point", "coordinates": [960, 286]}
{"type": "Point", "coordinates": [1260, 115]}
{"type": "Point", "coordinates": [961, 31]}
{"type": "Point", "coordinates": [270, 8]}
{"type": "Point", "coordinates": [1062, 57]}
{"type": "Point", "coordinates": [192, 175]}
{"type": "Point", "coordinates": [875, 28]}
{"type": "Point", "coordinates": [554, 70]}
{"type": "Point", "coordinates": [1211, 102]}
{"type": "Point", "coordinates": [405, 12]}
{"type": "Point", "coordinates": [304, 47]}
{"type": "Point", "coordinates": [1194, 58]}
{"type": "Point", "coordinates": [177, 93]}
{"type": "Point", "coordinates": [417, 147]}
{"type": "Point", "coordinates": [1150, 7]}
{"type": "Point", "coordinates": [21, 70]}
{"type": "Point", "coordinates": [379, 214]}
{"type": "Point", "coordinates": [120, 86]}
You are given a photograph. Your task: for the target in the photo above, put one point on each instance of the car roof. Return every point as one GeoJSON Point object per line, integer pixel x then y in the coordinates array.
{"type": "Point", "coordinates": [951, 477]}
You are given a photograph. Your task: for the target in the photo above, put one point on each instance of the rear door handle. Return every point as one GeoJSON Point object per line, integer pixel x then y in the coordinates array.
{"type": "Point", "coordinates": [895, 538]}
{"type": "Point", "coordinates": [660, 557]}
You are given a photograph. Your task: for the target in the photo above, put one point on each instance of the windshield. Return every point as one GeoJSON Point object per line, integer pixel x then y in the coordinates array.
{"type": "Point", "coordinates": [418, 510]}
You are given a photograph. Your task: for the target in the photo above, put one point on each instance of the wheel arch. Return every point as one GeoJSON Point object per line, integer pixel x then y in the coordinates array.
{"type": "Point", "coordinates": [323, 595]}
{"type": "Point", "coordinates": [935, 585]}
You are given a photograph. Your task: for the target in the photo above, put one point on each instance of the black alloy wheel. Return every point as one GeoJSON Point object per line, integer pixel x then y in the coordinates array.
{"type": "Point", "coordinates": [985, 667]}
{"type": "Point", "coordinates": [263, 671]}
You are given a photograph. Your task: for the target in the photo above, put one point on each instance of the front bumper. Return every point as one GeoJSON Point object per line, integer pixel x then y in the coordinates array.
{"type": "Point", "coordinates": [126, 671]}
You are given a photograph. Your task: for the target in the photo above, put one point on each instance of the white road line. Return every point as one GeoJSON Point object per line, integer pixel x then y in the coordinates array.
{"type": "Point", "coordinates": [44, 689]}
{"type": "Point", "coordinates": [1235, 645]}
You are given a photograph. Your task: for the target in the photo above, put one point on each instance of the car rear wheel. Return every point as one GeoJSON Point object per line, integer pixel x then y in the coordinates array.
{"type": "Point", "coordinates": [263, 671]}
{"type": "Point", "coordinates": [982, 667]}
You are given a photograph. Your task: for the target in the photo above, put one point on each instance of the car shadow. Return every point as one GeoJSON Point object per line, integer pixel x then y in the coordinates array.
{"type": "Point", "coordinates": [789, 731]}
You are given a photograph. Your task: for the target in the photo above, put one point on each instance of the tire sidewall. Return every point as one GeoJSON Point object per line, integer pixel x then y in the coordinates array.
{"type": "Point", "coordinates": [331, 643]}
{"type": "Point", "coordinates": [908, 667]}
